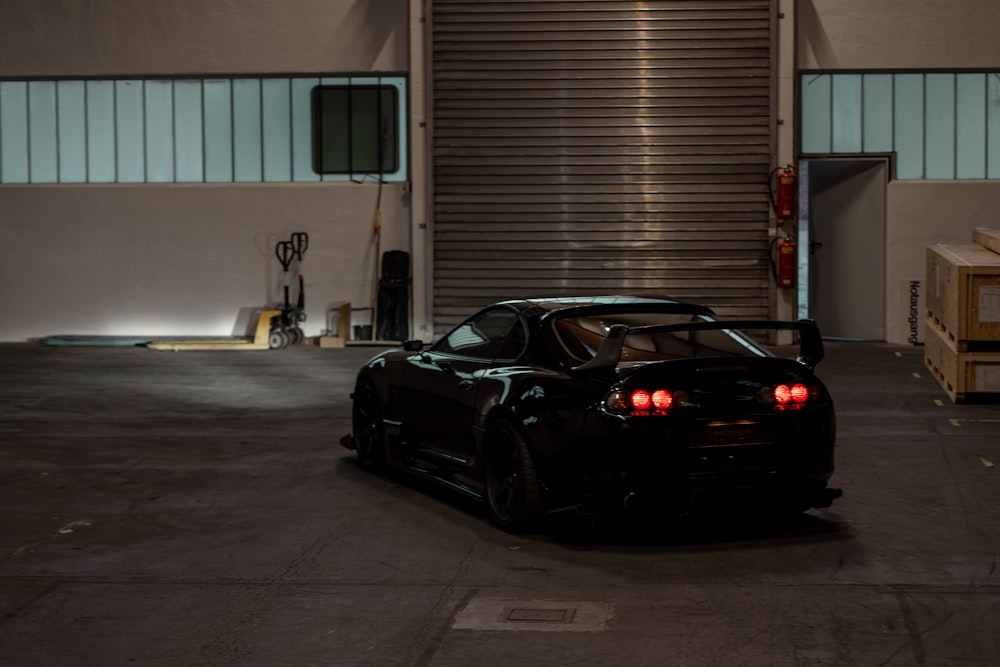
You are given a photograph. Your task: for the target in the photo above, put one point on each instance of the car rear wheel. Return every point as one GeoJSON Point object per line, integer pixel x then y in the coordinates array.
{"type": "Point", "coordinates": [513, 494]}
{"type": "Point", "coordinates": [368, 426]}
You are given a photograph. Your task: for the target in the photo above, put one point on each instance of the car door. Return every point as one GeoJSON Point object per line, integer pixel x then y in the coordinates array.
{"type": "Point", "coordinates": [439, 388]}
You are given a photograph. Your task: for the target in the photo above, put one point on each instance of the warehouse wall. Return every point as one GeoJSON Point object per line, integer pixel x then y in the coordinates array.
{"type": "Point", "coordinates": [189, 259]}
{"type": "Point", "coordinates": [909, 35]}
{"type": "Point", "coordinates": [897, 34]}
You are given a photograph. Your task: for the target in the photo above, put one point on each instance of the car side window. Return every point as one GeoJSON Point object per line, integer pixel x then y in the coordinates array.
{"type": "Point", "coordinates": [480, 337]}
{"type": "Point", "coordinates": [514, 343]}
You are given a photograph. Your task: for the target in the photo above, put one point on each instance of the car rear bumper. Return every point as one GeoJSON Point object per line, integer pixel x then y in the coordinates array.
{"type": "Point", "coordinates": [680, 497]}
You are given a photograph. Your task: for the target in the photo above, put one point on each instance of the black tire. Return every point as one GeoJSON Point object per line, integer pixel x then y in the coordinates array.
{"type": "Point", "coordinates": [368, 426]}
{"type": "Point", "coordinates": [513, 494]}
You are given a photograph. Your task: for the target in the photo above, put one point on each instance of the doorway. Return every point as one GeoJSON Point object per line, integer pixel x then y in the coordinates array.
{"type": "Point", "coordinates": [842, 232]}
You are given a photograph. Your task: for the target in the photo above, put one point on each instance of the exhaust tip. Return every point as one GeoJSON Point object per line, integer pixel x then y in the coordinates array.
{"type": "Point", "coordinates": [632, 500]}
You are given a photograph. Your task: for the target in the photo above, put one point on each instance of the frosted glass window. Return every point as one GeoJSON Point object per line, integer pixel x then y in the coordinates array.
{"type": "Point", "coordinates": [276, 109]}
{"type": "Point", "coordinates": [101, 139]}
{"type": "Point", "coordinates": [877, 119]}
{"type": "Point", "coordinates": [130, 131]}
{"type": "Point", "coordinates": [72, 131]}
{"type": "Point", "coordinates": [43, 157]}
{"type": "Point", "coordinates": [816, 116]}
{"type": "Point", "coordinates": [970, 126]}
{"type": "Point", "coordinates": [188, 145]}
{"type": "Point", "coordinates": [846, 109]}
{"type": "Point", "coordinates": [14, 131]}
{"type": "Point", "coordinates": [247, 148]}
{"type": "Point", "coordinates": [218, 130]}
{"type": "Point", "coordinates": [993, 126]}
{"type": "Point", "coordinates": [908, 125]}
{"type": "Point", "coordinates": [940, 126]}
{"type": "Point", "coordinates": [189, 130]}
{"type": "Point", "coordinates": [159, 131]}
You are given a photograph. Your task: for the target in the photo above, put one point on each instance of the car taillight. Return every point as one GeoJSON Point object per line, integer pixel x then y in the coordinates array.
{"type": "Point", "coordinates": [640, 399]}
{"type": "Point", "coordinates": [785, 397]}
{"type": "Point", "coordinates": [644, 402]}
{"type": "Point", "coordinates": [662, 399]}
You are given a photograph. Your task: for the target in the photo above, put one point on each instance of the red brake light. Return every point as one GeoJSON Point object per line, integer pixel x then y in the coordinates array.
{"type": "Point", "coordinates": [788, 397]}
{"type": "Point", "coordinates": [662, 399]}
{"type": "Point", "coordinates": [641, 400]}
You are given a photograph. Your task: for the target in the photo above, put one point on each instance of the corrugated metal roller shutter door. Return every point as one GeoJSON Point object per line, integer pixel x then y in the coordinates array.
{"type": "Point", "coordinates": [592, 147]}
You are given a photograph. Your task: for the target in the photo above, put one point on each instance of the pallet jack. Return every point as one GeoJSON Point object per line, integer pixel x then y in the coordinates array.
{"type": "Point", "coordinates": [286, 330]}
{"type": "Point", "coordinates": [277, 328]}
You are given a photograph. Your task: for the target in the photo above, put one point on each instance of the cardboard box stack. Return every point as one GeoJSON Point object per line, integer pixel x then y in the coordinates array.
{"type": "Point", "coordinates": [962, 343]}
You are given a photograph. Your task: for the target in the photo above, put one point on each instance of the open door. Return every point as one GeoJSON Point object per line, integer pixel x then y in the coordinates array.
{"type": "Point", "coordinates": [842, 236]}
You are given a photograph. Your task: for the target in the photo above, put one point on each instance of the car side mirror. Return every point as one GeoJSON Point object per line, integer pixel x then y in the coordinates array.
{"type": "Point", "coordinates": [413, 345]}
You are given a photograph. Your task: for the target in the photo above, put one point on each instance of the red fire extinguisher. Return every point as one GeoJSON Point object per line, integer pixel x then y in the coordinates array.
{"type": "Point", "coordinates": [787, 263]}
{"type": "Point", "coordinates": [785, 198]}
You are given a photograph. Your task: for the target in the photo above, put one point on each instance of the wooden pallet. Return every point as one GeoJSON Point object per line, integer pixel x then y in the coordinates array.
{"type": "Point", "coordinates": [966, 377]}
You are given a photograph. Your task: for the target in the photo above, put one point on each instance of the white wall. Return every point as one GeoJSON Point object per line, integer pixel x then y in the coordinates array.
{"type": "Point", "coordinates": [181, 259]}
{"type": "Point", "coordinates": [915, 35]}
{"type": "Point", "coordinates": [922, 213]}
{"type": "Point", "coordinates": [190, 259]}
{"type": "Point", "coordinates": [898, 34]}
{"type": "Point", "coordinates": [172, 37]}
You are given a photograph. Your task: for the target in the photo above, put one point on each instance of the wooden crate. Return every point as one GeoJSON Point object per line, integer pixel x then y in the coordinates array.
{"type": "Point", "coordinates": [965, 376]}
{"type": "Point", "coordinates": [963, 292]}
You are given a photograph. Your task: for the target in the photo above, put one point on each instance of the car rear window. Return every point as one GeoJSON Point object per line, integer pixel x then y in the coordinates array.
{"type": "Point", "coordinates": [579, 338]}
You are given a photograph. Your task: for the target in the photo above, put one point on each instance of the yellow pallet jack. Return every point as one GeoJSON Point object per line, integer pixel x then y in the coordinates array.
{"type": "Point", "coordinates": [258, 342]}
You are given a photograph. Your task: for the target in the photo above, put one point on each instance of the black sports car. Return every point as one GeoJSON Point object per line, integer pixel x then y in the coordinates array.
{"type": "Point", "coordinates": [593, 404]}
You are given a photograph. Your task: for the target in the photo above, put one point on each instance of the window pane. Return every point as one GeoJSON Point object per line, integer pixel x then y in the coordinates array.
{"type": "Point", "coordinates": [993, 126]}
{"type": "Point", "coordinates": [971, 126]}
{"type": "Point", "coordinates": [816, 120]}
{"type": "Point", "coordinates": [277, 122]}
{"type": "Point", "coordinates": [71, 100]}
{"type": "Point", "coordinates": [42, 133]}
{"type": "Point", "coordinates": [101, 140]}
{"type": "Point", "coordinates": [302, 160]}
{"type": "Point", "coordinates": [159, 132]}
{"type": "Point", "coordinates": [129, 131]}
{"type": "Point", "coordinates": [246, 130]}
{"type": "Point", "coordinates": [333, 127]}
{"type": "Point", "coordinates": [877, 118]}
{"type": "Point", "coordinates": [218, 130]}
{"type": "Point", "coordinates": [940, 123]}
{"type": "Point", "coordinates": [188, 144]}
{"type": "Point", "coordinates": [14, 131]}
{"type": "Point", "coordinates": [909, 125]}
{"type": "Point", "coordinates": [847, 113]}
{"type": "Point", "coordinates": [355, 129]}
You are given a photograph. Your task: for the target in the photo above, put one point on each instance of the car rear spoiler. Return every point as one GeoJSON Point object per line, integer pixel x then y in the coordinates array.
{"type": "Point", "coordinates": [811, 350]}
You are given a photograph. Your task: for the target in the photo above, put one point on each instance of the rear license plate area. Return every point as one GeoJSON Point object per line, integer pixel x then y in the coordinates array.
{"type": "Point", "coordinates": [724, 434]}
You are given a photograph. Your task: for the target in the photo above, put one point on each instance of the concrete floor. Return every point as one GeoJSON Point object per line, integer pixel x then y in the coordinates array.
{"type": "Point", "coordinates": [195, 508]}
